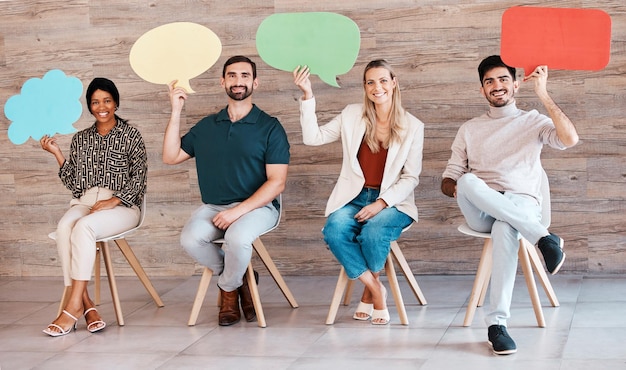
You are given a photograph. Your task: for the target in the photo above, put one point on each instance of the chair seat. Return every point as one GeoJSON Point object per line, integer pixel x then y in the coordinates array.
{"type": "Point", "coordinates": [465, 229]}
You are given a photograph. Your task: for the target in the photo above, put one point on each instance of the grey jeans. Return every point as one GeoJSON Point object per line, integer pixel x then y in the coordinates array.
{"type": "Point", "coordinates": [230, 259]}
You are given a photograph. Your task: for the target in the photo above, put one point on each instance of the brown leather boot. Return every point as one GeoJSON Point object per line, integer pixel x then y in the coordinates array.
{"type": "Point", "coordinates": [229, 311]}
{"type": "Point", "coordinates": [247, 305]}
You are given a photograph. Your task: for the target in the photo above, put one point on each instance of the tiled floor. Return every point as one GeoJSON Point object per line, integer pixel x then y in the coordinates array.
{"type": "Point", "coordinates": [587, 331]}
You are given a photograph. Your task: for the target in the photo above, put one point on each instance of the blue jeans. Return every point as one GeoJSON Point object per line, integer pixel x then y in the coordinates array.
{"type": "Point", "coordinates": [362, 246]}
{"type": "Point", "coordinates": [507, 217]}
{"type": "Point", "coordinates": [230, 259]}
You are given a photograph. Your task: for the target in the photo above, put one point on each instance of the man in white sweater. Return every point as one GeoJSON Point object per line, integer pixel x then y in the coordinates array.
{"type": "Point", "coordinates": [495, 175]}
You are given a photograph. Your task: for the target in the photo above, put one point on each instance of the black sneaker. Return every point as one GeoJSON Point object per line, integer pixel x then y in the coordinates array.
{"type": "Point", "coordinates": [500, 340]}
{"type": "Point", "coordinates": [551, 246]}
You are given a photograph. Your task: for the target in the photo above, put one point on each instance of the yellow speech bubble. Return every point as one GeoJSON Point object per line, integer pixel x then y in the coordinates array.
{"type": "Point", "coordinates": [175, 51]}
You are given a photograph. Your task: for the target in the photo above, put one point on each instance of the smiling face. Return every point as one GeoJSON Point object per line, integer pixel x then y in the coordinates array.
{"type": "Point", "coordinates": [102, 106]}
{"type": "Point", "coordinates": [239, 81]}
{"type": "Point", "coordinates": [499, 87]}
{"type": "Point", "coordinates": [379, 85]}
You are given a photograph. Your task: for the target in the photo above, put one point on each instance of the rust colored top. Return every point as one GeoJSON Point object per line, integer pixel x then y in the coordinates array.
{"type": "Point", "coordinates": [372, 164]}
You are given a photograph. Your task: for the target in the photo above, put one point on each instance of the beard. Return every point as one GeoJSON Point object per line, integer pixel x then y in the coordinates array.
{"type": "Point", "coordinates": [500, 101]}
{"type": "Point", "coordinates": [239, 95]}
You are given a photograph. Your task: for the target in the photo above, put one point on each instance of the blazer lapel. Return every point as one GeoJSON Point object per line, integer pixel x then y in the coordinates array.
{"type": "Point", "coordinates": [392, 167]}
{"type": "Point", "coordinates": [357, 138]}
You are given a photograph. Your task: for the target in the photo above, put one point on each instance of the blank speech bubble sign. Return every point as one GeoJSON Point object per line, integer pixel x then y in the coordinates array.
{"type": "Point", "coordinates": [45, 106]}
{"type": "Point", "coordinates": [570, 39]}
{"type": "Point", "coordinates": [328, 43]}
{"type": "Point", "coordinates": [175, 51]}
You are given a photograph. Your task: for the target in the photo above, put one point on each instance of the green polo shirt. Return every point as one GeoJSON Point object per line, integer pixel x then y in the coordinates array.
{"type": "Point", "coordinates": [231, 156]}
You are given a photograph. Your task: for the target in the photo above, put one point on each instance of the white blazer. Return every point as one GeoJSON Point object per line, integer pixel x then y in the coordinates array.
{"type": "Point", "coordinates": [402, 168]}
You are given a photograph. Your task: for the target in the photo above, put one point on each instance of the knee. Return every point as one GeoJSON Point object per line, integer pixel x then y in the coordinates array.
{"type": "Point", "coordinates": [329, 235]}
{"type": "Point", "coordinates": [238, 242]}
{"type": "Point", "coordinates": [64, 231]}
{"type": "Point", "coordinates": [64, 227]}
{"type": "Point", "coordinates": [371, 230]}
{"type": "Point", "coordinates": [189, 239]}
{"type": "Point", "coordinates": [336, 231]}
{"type": "Point", "coordinates": [375, 236]}
{"type": "Point", "coordinates": [469, 185]}
{"type": "Point", "coordinates": [83, 228]}
{"type": "Point", "coordinates": [465, 182]}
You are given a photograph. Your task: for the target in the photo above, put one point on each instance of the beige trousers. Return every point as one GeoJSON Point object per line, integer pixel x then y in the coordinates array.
{"type": "Point", "coordinates": [78, 231]}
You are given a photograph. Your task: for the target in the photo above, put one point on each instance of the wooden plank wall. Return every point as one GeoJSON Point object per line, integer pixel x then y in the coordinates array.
{"type": "Point", "coordinates": [435, 46]}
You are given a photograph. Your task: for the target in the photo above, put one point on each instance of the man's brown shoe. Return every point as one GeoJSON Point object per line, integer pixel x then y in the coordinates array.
{"type": "Point", "coordinates": [247, 305]}
{"type": "Point", "coordinates": [229, 311]}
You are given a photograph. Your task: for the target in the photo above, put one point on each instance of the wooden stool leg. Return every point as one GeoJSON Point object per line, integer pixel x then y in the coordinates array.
{"type": "Point", "coordinates": [96, 277]}
{"type": "Point", "coordinates": [139, 271]}
{"type": "Point", "coordinates": [406, 270]}
{"type": "Point", "coordinates": [531, 284]}
{"type": "Point", "coordinates": [260, 249]}
{"type": "Point", "coordinates": [347, 296]}
{"type": "Point", "coordinates": [200, 294]}
{"type": "Point", "coordinates": [541, 273]}
{"type": "Point", "coordinates": [342, 281]}
{"type": "Point", "coordinates": [64, 298]}
{"type": "Point", "coordinates": [395, 289]}
{"type": "Point", "coordinates": [256, 298]}
{"type": "Point", "coordinates": [486, 280]}
{"type": "Point", "coordinates": [482, 279]}
{"type": "Point", "coordinates": [112, 284]}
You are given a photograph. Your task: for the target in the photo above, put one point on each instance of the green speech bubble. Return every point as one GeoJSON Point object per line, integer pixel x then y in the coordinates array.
{"type": "Point", "coordinates": [328, 43]}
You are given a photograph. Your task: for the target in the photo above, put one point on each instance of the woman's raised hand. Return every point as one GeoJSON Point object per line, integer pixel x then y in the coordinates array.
{"type": "Point", "coordinates": [301, 79]}
{"type": "Point", "coordinates": [49, 144]}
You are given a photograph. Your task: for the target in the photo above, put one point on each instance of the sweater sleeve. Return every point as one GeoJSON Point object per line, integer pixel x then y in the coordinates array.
{"type": "Point", "coordinates": [458, 162]}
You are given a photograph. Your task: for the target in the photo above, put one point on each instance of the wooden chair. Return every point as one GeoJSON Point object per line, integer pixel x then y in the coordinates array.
{"type": "Point", "coordinates": [529, 259]}
{"type": "Point", "coordinates": [260, 249]}
{"type": "Point", "coordinates": [102, 248]}
{"type": "Point", "coordinates": [344, 286]}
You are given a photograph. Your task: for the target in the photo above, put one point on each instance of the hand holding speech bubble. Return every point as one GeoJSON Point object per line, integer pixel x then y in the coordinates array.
{"type": "Point", "coordinates": [571, 39]}
{"type": "Point", "coordinates": [328, 43]}
{"type": "Point", "coordinates": [175, 51]}
{"type": "Point", "coordinates": [45, 106]}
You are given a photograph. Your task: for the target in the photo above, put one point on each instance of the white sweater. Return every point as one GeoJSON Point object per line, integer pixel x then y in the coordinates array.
{"type": "Point", "coordinates": [503, 148]}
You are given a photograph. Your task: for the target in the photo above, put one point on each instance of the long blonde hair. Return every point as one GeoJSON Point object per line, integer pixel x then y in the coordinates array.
{"type": "Point", "coordinates": [397, 117]}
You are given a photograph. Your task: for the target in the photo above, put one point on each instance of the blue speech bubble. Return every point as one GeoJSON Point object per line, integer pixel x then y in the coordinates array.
{"type": "Point", "coordinates": [328, 43]}
{"type": "Point", "coordinates": [45, 106]}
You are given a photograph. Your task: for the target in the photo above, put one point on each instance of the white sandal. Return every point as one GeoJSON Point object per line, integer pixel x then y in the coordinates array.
{"type": "Point", "coordinates": [97, 328]}
{"type": "Point", "coordinates": [61, 331]}
{"type": "Point", "coordinates": [365, 308]}
{"type": "Point", "coordinates": [380, 315]}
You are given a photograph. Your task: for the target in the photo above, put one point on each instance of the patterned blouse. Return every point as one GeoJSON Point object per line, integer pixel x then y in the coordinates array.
{"type": "Point", "coordinates": [116, 161]}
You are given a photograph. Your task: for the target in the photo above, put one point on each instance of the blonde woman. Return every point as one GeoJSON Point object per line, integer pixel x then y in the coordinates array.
{"type": "Point", "coordinates": [373, 199]}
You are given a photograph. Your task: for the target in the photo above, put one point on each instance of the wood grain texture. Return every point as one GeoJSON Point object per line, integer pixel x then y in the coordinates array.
{"type": "Point", "coordinates": [435, 46]}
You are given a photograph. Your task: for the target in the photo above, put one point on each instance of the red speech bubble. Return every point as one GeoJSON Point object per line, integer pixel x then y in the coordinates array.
{"type": "Point", "coordinates": [571, 39]}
